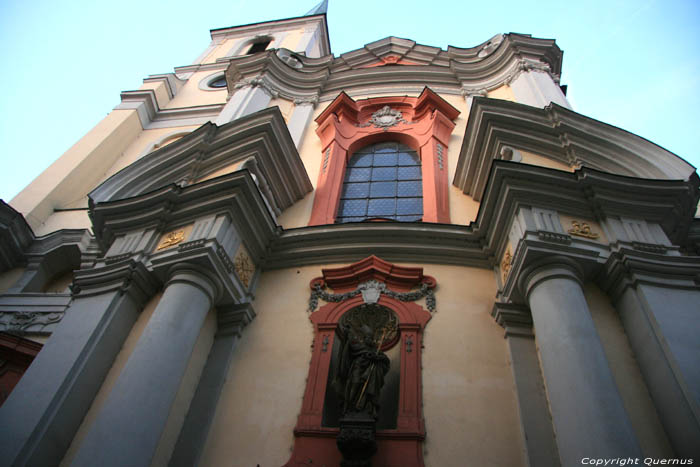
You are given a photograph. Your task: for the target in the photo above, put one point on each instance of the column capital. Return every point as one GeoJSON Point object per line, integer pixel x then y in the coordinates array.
{"type": "Point", "coordinates": [515, 319]}
{"type": "Point", "coordinates": [550, 267]}
{"type": "Point", "coordinates": [198, 277]}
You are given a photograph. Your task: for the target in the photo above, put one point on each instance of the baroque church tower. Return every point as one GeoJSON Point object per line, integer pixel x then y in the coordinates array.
{"type": "Point", "coordinates": [398, 256]}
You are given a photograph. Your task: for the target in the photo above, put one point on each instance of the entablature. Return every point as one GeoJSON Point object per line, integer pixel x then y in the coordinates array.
{"type": "Point", "coordinates": [559, 134]}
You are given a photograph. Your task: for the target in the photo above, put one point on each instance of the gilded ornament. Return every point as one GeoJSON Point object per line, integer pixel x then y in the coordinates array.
{"type": "Point", "coordinates": [506, 264]}
{"type": "Point", "coordinates": [582, 229]}
{"type": "Point", "coordinates": [171, 239]}
{"type": "Point", "coordinates": [244, 267]}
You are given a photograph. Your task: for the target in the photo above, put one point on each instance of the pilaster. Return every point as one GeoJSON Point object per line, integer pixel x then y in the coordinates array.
{"type": "Point", "coordinates": [657, 298]}
{"type": "Point", "coordinates": [39, 419]}
{"type": "Point", "coordinates": [535, 419]}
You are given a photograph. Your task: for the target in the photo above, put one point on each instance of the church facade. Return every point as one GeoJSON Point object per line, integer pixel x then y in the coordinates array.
{"type": "Point", "coordinates": [251, 250]}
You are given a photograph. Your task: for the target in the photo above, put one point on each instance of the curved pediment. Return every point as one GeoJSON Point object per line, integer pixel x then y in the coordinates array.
{"type": "Point", "coordinates": [557, 133]}
{"type": "Point", "coordinates": [261, 137]}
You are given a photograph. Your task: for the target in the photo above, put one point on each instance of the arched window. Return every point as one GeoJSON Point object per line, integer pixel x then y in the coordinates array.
{"type": "Point", "coordinates": [258, 46]}
{"type": "Point", "coordinates": [382, 181]}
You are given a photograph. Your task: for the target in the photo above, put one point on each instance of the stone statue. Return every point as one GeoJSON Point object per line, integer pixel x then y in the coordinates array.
{"type": "Point", "coordinates": [361, 370]}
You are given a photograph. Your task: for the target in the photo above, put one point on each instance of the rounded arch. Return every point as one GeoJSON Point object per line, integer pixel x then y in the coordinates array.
{"type": "Point", "coordinates": [376, 138]}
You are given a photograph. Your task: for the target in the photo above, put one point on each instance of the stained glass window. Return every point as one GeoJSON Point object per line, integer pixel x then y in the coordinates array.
{"type": "Point", "coordinates": [382, 181]}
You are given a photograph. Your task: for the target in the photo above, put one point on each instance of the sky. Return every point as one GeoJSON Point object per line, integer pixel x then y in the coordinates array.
{"type": "Point", "coordinates": [632, 64]}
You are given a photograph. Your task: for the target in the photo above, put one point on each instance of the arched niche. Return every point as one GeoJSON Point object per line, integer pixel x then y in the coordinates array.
{"type": "Point", "coordinates": [399, 446]}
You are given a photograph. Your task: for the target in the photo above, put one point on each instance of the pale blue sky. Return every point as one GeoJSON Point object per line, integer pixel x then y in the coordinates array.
{"type": "Point", "coordinates": [633, 64]}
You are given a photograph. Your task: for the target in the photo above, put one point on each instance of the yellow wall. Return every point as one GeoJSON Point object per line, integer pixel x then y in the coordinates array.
{"type": "Point", "coordinates": [468, 396]}
{"type": "Point", "coordinates": [219, 51]}
{"type": "Point", "coordinates": [504, 92]}
{"type": "Point", "coordinates": [76, 171]}
{"type": "Point", "coordinates": [190, 94]}
{"type": "Point", "coordinates": [629, 380]}
{"type": "Point", "coordinates": [468, 391]}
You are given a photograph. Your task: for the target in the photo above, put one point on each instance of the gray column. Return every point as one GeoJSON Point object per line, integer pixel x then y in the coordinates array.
{"type": "Point", "coordinates": [535, 419]}
{"type": "Point", "coordinates": [193, 436]}
{"type": "Point", "coordinates": [129, 426]}
{"type": "Point", "coordinates": [244, 101]}
{"type": "Point", "coordinates": [665, 378]}
{"type": "Point", "coordinates": [43, 413]}
{"type": "Point", "coordinates": [587, 411]}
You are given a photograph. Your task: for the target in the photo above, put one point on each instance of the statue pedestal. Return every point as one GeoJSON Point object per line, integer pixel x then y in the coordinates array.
{"type": "Point", "coordinates": [356, 440]}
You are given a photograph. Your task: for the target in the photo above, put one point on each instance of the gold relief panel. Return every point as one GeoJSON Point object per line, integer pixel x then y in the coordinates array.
{"type": "Point", "coordinates": [243, 266]}
{"type": "Point", "coordinates": [583, 228]}
{"type": "Point", "coordinates": [174, 237]}
{"type": "Point", "coordinates": [506, 264]}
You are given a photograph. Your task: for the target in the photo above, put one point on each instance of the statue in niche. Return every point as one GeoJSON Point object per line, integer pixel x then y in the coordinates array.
{"type": "Point", "coordinates": [361, 368]}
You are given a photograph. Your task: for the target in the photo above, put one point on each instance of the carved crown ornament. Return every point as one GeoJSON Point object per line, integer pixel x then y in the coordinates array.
{"type": "Point", "coordinates": [385, 118]}
{"type": "Point", "coordinates": [371, 278]}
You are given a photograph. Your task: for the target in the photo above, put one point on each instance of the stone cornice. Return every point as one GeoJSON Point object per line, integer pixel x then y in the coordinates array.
{"type": "Point", "coordinates": [413, 66]}
{"type": "Point", "coordinates": [15, 237]}
{"type": "Point", "coordinates": [152, 116]}
{"type": "Point", "coordinates": [559, 134]}
{"type": "Point", "coordinates": [262, 135]}
{"type": "Point", "coordinates": [586, 192]}
{"type": "Point", "coordinates": [127, 276]}
{"type": "Point", "coordinates": [235, 194]}
{"type": "Point", "coordinates": [628, 268]}
{"type": "Point", "coordinates": [278, 78]}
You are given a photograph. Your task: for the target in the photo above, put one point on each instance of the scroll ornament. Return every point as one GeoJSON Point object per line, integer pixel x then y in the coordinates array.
{"type": "Point", "coordinates": [370, 291]}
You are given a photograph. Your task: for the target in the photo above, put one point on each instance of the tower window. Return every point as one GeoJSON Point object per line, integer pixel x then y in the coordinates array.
{"type": "Point", "coordinates": [382, 181]}
{"type": "Point", "coordinates": [259, 46]}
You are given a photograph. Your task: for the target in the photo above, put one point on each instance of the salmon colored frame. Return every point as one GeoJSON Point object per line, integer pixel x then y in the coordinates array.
{"type": "Point", "coordinates": [344, 127]}
{"type": "Point", "coordinates": [400, 447]}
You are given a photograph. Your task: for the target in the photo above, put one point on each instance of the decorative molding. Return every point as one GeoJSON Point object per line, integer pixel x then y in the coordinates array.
{"type": "Point", "coordinates": [560, 134]}
{"type": "Point", "coordinates": [585, 193]}
{"type": "Point", "coordinates": [171, 239]}
{"type": "Point", "coordinates": [373, 288]}
{"type": "Point", "coordinates": [262, 135]}
{"type": "Point", "coordinates": [244, 266]}
{"type": "Point", "coordinates": [432, 121]}
{"type": "Point", "coordinates": [506, 264]}
{"type": "Point", "coordinates": [15, 237]}
{"type": "Point", "coordinates": [19, 322]}
{"type": "Point", "coordinates": [384, 118]}
{"type": "Point", "coordinates": [582, 229]}
{"type": "Point", "coordinates": [258, 82]}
